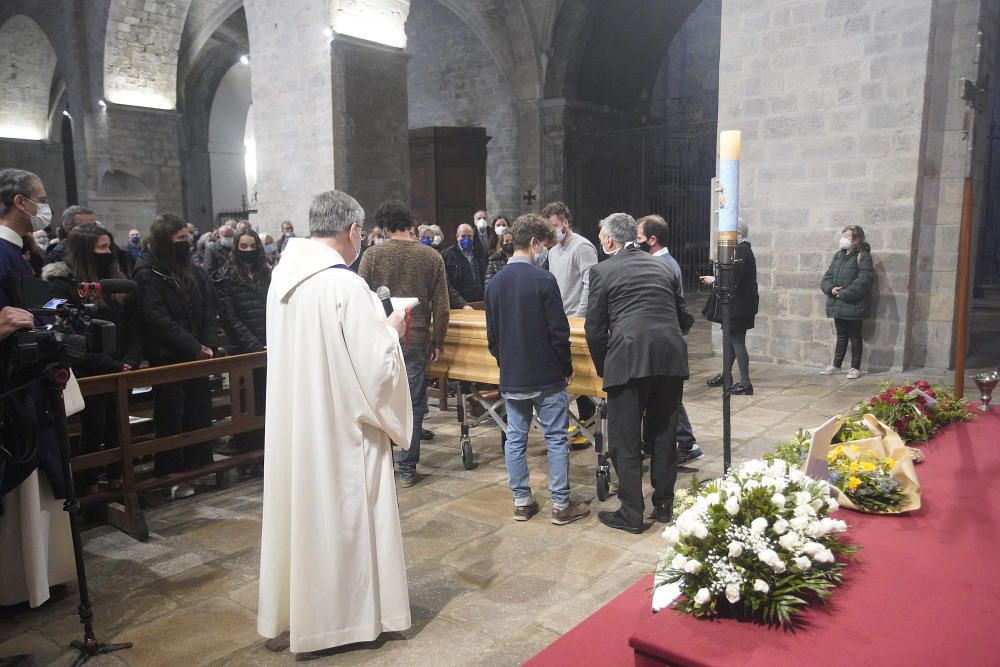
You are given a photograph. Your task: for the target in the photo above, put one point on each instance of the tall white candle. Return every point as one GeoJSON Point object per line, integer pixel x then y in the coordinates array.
{"type": "Point", "coordinates": [729, 179]}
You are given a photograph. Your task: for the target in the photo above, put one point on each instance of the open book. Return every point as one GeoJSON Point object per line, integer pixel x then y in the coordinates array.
{"type": "Point", "coordinates": [404, 303]}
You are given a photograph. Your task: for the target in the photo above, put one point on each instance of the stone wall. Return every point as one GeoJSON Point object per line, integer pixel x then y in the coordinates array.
{"type": "Point", "coordinates": [140, 55]}
{"type": "Point", "coordinates": [687, 89]}
{"type": "Point", "coordinates": [453, 80]}
{"type": "Point", "coordinates": [370, 130]}
{"type": "Point", "coordinates": [29, 64]}
{"type": "Point", "coordinates": [830, 97]}
{"type": "Point", "coordinates": [43, 158]}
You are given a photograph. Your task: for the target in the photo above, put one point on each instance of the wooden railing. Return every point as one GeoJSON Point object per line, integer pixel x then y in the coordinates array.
{"type": "Point", "coordinates": [125, 510]}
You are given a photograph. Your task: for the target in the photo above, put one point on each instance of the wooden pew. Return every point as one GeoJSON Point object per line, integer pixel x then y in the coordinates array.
{"type": "Point", "coordinates": [466, 358]}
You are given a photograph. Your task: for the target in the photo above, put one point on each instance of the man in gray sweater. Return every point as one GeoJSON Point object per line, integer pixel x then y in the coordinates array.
{"type": "Point", "coordinates": [570, 260]}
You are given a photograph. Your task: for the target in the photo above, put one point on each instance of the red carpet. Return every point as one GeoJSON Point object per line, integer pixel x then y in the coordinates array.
{"type": "Point", "coordinates": [925, 592]}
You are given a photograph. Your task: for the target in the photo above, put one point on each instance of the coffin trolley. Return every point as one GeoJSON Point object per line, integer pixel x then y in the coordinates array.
{"type": "Point", "coordinates": [466, 358]}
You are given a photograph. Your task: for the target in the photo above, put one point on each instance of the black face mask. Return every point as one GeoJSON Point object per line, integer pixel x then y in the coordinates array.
{"type": "Point", "coordinates": [103, 262]}
{"type": "Point", "coordinates": [508, 248]}
{"type": "Point", "coordinates": [182, 252]}
{"type": "Point", "coordinates": [644, 246]}
{"type": "Point", "coordinates": [246, 256]}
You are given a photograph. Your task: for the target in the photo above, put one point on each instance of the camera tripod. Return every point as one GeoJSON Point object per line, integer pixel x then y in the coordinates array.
{"type": "Point", "coordinates": [55, 379]}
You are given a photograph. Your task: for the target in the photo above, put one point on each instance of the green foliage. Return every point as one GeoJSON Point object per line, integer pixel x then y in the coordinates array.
{"type": "Point", "coordinates": [910, 414]}
{"type": "Point", "coordinates": [793, 452]}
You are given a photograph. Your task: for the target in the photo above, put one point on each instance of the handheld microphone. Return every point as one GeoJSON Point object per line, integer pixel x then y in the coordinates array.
{"type": "Point", "coordinates": [107, 286]}
{"type": "Point", "coordinates": [383, 295]}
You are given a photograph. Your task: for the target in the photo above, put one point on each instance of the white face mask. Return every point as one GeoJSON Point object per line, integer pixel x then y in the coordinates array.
{"type": "Point", "coordinates": [539, 258]}
{"type": "Point", "coordinates": [438, 239]}
{"type": "Point", "coordinates": [42, 240]}
{"type": "Point", "coordinates": [560, 234]}
{"type": "Point", "coordinates": [226, 241]}
{"type": "Point", "coordinates": [845, 243]}
{"type": "Point", "coordinates": [610, 253]}
{"type": "Point", "coordinates": [480, 224]}
{"type": "Point", "coordinates": [500, 229]}
{"type": "Point", "coordinates": [42, 217]}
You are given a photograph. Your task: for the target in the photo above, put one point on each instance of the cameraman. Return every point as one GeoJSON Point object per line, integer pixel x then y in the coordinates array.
{"type": "Point", "coordinates": [31, 517]}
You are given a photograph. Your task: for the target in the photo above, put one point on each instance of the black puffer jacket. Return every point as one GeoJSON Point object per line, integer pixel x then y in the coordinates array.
{"type": "Point", "coordinates": [125, 316]}
{"type": "Point", "coordinates": [177, 320]}
{"type": "Point", "coordinates": [746, 298]}
{"type": "Point", "coordinates": [243, 309]}
{"type": "Point", "coordinates": [463, 286]}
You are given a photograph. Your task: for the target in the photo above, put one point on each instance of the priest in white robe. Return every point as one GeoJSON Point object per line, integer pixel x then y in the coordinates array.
{"type": "Point", "coordinates": [332, 570]}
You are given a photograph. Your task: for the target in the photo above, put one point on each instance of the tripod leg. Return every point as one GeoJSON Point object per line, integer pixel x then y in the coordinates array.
{"type": "Point", "coordinates": [89, 647]}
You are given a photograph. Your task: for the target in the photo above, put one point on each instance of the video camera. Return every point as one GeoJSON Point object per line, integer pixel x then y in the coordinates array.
{"type": "Point", "coordinates": [73, 335]}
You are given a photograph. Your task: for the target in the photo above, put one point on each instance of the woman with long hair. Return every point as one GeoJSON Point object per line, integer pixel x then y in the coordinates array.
{"type": "Point", "coordinates": [242, 289]}
{"type": "Point", "coordinates": [504, 251]}
{"type": "Point", "coordinates": [179, 325]}
{"type": "Point", "coordinates": [91, 256]}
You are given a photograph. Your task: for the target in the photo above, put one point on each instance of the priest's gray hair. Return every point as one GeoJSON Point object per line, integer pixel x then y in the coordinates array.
{"type": "Point", "coordinates": [620, 226]}
{"type": "Point", "coordinates": [742, 229]}
{"type": "Point", "coordinates": [333, 213]}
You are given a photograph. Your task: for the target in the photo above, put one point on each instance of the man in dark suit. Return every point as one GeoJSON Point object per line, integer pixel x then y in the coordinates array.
{"type": "Point", "coordinates": [636, 343]}
{"type": "Point", "coordinates": [465, 264]}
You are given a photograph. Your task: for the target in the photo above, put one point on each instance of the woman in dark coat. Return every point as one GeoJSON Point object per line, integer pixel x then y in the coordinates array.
{"type": "Point", "coordinates": [742, 312]}
{"type": "Point", "coordinates": [498, 260]}
{"type": "Point", "coordinates": [92, 256]}
{"type": "Point", "coordinates": [848, 285]}
{"type": "Point", "coordinates": [179, 325]}
{"type": "Point", "coordinates": [242, 289]}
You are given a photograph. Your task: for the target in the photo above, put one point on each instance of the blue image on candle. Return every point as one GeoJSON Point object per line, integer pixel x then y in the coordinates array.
{"type": "Point", "coordinates": [729, 179]}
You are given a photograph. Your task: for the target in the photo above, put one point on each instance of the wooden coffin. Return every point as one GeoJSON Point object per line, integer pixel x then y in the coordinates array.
{"type": "Point", "coordinates": [466, 355]}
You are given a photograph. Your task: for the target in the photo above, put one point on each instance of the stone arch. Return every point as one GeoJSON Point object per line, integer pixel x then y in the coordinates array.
{"type": "Point", "coordinates": [119, 184]}
{"type": "Point", "coordinates": [28, 75]}
{"type": "Point", "coordinates": [226, 137]}
{"type": "Point", "coordinates": [141, 46]}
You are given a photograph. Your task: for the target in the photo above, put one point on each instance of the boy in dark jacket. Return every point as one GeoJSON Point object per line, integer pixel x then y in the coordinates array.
{"type": "Point", "coordinates": [528, 334]}
{"type": "Point", "coordinates": [848, 284]}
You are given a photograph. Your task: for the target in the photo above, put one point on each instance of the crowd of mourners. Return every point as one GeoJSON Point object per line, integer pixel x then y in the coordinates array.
{"type": "Point", "coordinates": [191, 285]}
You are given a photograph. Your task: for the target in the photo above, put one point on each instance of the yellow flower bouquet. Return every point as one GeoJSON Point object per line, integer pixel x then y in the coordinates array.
{"type": "Point", "coordinates": [873, 474]}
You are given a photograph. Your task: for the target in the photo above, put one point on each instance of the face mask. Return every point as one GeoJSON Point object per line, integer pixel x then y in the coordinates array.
{"type": "Point", "coordinates": [508, 248]}
{"type": "Point", "coordinates": [540, 257]}
{"type": "Point", "coordinates": [226, 241]}
{"type": "Point", "coordinates": [500, 229]}
{"type": "Point", "coordinates": [246, 256]}
{"type": "Point", "coordinates": [42, 241]}
{"type": "Point", "coordinates": [357, 248]}
{"type": "Point", "coordinates": [437, 240]}
{"type": "Point", "coordinates": [135, 240]}
{"type": "Point", "coordinates": [643, 245]}
{"type": "Point", "coordinates": [560, 235]}
{"type": "Point", "coordinates": [103, 261]}
{"type": "Point", "coordinates": [288, 235]}
{"type": "Point", "coordinates": [426, 240]}
{"type": "Point", "coordinates": [610, 253]}
{"type": "Point", "coordinates": [845, 243]}
{"type": "Point", "coordinates": [269, 249]}
{"type": "Point", "coordinates": [465, 244]}
{"type": "Point", "coordinates": [42, 217]}
{"type": "Point", "coordinates": [182, 252]}
{"type": "Point", "coordinates": [480, 224]}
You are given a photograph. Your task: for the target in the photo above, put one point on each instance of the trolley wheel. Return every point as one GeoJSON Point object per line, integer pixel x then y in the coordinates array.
{"type": "Point", "coordinates": [603, 485]}
{"type": "Point", "coordinates": [467, 460]}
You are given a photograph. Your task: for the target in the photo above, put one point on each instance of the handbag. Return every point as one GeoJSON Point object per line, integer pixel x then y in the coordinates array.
{"type": "Point", "coordinates": [713, 309]}
{"type": "Point", "coordinates": [684, 317]}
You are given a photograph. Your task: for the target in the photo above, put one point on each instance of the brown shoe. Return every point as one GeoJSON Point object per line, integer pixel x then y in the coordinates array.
{"type": "Point", "coordinates": [525, 512]}
{"type": "Point", "coordinates": [570, 514]}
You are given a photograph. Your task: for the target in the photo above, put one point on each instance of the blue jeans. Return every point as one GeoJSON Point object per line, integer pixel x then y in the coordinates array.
{"type": "Point", "coordinates": [415, 359]}
{"type": "Point", "coordinates": [553, 415]}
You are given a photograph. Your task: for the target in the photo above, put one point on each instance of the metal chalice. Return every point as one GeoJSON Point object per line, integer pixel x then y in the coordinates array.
{"type": "Point", "coordinates": [986, 382]}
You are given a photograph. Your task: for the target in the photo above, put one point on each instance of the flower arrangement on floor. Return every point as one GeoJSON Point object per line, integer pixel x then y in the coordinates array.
{"type": "Point", "coordinates": [916, 411]}
{"type": "Point", "coordinates": [757, 544]}
{"type": "Point", "coordinates": [865, 478]}
{"type": "Point", "coordinates": [793, 452]}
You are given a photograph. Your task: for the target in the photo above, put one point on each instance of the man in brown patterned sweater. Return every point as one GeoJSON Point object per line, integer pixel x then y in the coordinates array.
{"type": "Point", "coordinates": [411, 269]}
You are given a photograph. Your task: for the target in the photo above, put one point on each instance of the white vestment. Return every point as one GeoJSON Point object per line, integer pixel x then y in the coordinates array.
{"type": "Point", "coordinates": [36, 546]}
{"type": "Point", "coordinates": [331, 567]}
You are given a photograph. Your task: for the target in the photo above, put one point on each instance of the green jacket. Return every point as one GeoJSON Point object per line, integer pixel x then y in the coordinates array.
{"type": "Point", "coordinates": [852, 271]}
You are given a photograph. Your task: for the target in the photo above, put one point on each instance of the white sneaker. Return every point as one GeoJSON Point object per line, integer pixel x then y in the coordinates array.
{"type": "Point", "coordinates": [182, 490]}
{"type": "Point", "coordinates": [853, 374]}
{"type": "Point", "coordinates": [830, 370]}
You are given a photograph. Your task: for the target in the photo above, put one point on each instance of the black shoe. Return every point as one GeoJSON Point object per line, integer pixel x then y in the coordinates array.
{"type": "Point", "coordinates": [615, 520]}
{"type": "Point", "coordinates": [525, 512]}
{"type": "Point", "coordinates": [663, 513]}
{"type": "Point", "coordinates": [426, 435]}
{"type": "Point", "coordinates": [740, 388]}
{"type": "Point", "coordinates": [715, 381]}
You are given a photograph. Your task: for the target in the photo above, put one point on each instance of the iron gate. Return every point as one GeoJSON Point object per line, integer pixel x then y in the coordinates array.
{"type": "Point", "coordinates": [663, 170]}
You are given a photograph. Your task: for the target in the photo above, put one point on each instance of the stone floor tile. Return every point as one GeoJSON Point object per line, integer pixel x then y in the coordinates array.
{"type": "Point", "coordinates": [200, 583]}
{"type": "Point", "coordinates": [430, 533]}
{"type": "Point", "coordinates": [194, 635]}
